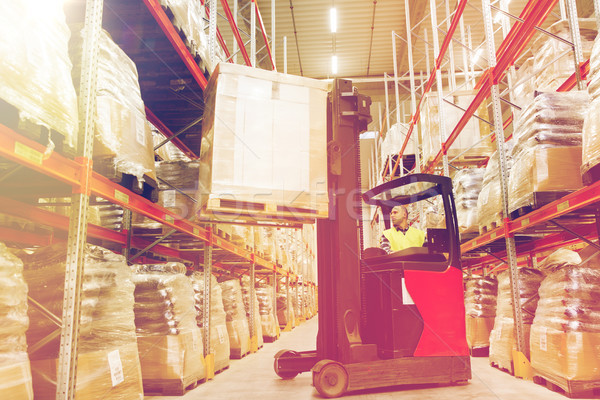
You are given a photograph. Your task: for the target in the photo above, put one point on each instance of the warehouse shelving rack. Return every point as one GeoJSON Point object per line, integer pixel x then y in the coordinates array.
{"type": "Point", "coordinates": [49, 173]}
{"type": "Point", "coordinates": [548, 227]}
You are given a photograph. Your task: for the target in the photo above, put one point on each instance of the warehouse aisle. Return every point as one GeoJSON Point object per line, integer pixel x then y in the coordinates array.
{"type": "Point", "coordinates": [253, 378]}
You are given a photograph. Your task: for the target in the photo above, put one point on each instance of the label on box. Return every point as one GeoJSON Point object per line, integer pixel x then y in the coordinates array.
{"type": "Point", "coordinates": [543, 338]}
{"type": "Point", "coordinates": [220, 329]}
{"type": "Point", "coordinates": [140, 130]}
{"type": "Point", "coordinates": [168, 198]}
{"type": "Point", "coordinates": [116, 367]}
{"type": "Point", "coordinates": [28, 153]}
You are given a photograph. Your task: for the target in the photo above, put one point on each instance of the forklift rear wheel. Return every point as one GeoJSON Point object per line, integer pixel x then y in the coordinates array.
{"type": "Point", "coordinates": [331, 379]}
{"type": "Point", "coordinates": [286, 374]}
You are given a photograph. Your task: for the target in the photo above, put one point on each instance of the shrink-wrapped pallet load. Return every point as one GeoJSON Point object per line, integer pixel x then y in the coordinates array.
{"type": "Point", "coordinates": [285, 311]}
{"type": "Point", "coordinates": [257, 323]}
{"type": "Point", "coordinates": [591, 126]}
{"type": "Point", "coordinates": [108, 362]}
{"type": "Point", "coordinates": [178, 185]}
{"type": "Point", "coordinates": [554, 58]}
{"type": "Point", "coordinates": [167, 151]}
{"type": "Point", "coordinates": [15, 371]}
{"type": "Point", "coordinates": [270, 326]}
{"type": "Point", "coordinates": [170, 342]}
{"type": "Point", "coordinates": [480, 309]}
{"type": "Point", "coordinates": [565, 335]}
{"type": "Point", "coordinates": [237, 323]}
{"type": "Point", "coordinates": [219, 339]}
{"type": "Point", "coordinates": [35, 71]}
{"type": "Point", "coordinates": [392, 143]}
{"type": "Point", "coordinates": [547, 147]}
{"type": "Point", "coordinates": [489, 202]}
{"type": "Point", "coordinates": [523, 86]}
{"type": "Point", "coordinates": [264, 144]}
{"type": "Point", "coordinates": [470, 143]}
{"type": "Point", "coordinates": [467, 185]}
{"type": "Point", "coordinates": [123, 141]}
{"type": "Point", "coordinates": [502, 338]}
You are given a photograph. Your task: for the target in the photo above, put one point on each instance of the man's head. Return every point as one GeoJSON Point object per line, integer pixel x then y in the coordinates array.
{"type": "Point", "coordinates": [399, 217]}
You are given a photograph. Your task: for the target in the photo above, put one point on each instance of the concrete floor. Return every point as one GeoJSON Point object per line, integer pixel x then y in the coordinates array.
{"type": "Point", "coordinates": [253, 378]}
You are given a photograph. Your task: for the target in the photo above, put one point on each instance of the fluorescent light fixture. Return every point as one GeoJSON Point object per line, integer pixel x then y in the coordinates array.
{"type": "Point", "coordinates": [334, 64]}
{"type": "Point", "coordinates": [333, 19]}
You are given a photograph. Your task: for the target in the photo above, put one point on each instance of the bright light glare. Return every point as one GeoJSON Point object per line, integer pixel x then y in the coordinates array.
{"type": "Point", "coordinates": [334, 65]}
{"type": "Point", "coordinates": [498, 17]}
{"type": "Point", "coordinates": [477, 54]}
{"type": "Point", "coordinates": [333, 20]}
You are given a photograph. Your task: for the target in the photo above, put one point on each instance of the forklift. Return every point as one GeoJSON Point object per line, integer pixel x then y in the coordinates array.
{"type": "Point", "coordinates": [384, 319]}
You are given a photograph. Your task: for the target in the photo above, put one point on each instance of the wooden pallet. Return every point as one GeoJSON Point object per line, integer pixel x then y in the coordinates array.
{"type": "Point", "coordinates": [170, 387]}
{"type": "Point", "coordinates": [223, 209]}
{"type": "Point", "coordinates": [222, 369]}
{"type": "Point", "coordinates": [569, 388]}
{"type": "Point", "coordinates": [490, 227]}
{"type": "Point", "coordinates": [480, 352]}
{"type": "Point", "coordinates": [269, 339]}
{"type": "Point", "coordinates": [147, 189]}
{"type": "Point", "coordinates": [591, 175]}
{"type": "Point", "coordinates": [236, 355]}
{"type": "Point", "coordinates": [508, 371]}
{"type": "Point", "coordinates": [540, 199]}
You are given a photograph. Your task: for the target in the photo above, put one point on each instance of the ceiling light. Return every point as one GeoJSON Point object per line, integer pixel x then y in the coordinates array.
{"type": "Point", "coordinates": [333, 19]}
{"type": "Point", "coordinates": [334, 65]}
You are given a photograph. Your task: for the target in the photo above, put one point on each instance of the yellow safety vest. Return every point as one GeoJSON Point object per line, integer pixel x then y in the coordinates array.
{"type": "Point", "coordinates": [400, 241]}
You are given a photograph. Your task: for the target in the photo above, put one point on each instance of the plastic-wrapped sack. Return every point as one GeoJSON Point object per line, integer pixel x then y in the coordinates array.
{"type": "Point", "coordinates": [257, 321]}
{"type": "Point", "coordinates": [392, 143]}
{"type": "Point", "coordinates": [182, 175]}
{"type": "Point", "coordinates": [502, 339]}
{"type": "Point", "coordinates": [559, 259]}
{"type": "Point", "coordinates": [237, 323]}
{"type": "Point", "coordinates": [467, 185]}
{"type": "Point", "coordinates": [270, 326]}
{"type": "Point", "coordinates": [489, 202]}
{"type": "Point", "coordinates": [170, 342]}
{"type": "Point", "coordinates": [547, 152]}
{"type": "Point", "coordinates": [15, 371]}
{"type": "Point", "coordinates": [480, 309]}
{"type": "Point", "coordinates": [35, 71]}
{"type": "Point", "coordinates": [590, 139]}
{"type": "Point", "coordinates": [219, 339]}
{"type": "Point", "coordinates": [523, 87]}
{"type": "Point", "coordinates": [594, 75]}
{"type": "Point", "coordinates": [555, 58]}
{"type": "Point", "coordinates": [123, 139]}
{"type": "Point", "coordinates": [107, 340]}
{"type": "Point", "coordinates": [285, 313]}
{"type": "Point", "coordinates": [565, 335]}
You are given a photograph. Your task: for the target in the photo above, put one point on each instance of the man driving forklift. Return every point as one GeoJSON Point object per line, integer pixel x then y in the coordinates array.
{"type": "Point", "coordinates": [401, 236]}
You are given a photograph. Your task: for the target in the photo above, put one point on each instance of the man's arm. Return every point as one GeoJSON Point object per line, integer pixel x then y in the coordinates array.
{"type": "Point", "coordinates": [384, 243]}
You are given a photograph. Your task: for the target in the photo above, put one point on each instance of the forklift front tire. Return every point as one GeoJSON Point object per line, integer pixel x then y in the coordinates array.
{"type": "Point", "coordinates": [330, 378]}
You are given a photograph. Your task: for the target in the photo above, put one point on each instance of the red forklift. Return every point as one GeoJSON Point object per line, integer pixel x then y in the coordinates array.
{"type": "Point", "coordinates": [384, 319]}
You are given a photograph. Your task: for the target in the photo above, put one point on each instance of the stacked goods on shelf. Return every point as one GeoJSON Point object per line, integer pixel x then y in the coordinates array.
{"type": "Point", "coordinates": [123, 141]}
{"type": "Point", "coordinates": [170, 342]}
{"type": "Point", "coordinates": [470, 143]}
{"type": "Point", "coordinates": [502, 339]}
{"type": "Point", "coordinates": [565, 335]}
{"type": "Point", "coordinates": [182, 175]}
{"type": "Point", "coordinates": [591, 125]}
{"type": "Point", "coordinates": [168, 151]}
{"type": "Point", "coordinates": [434, 214]}
{"type": "Point", "coordinates": [270, 326]}
{"type": "Point", "coordinates": [296, 302]}
{"type": "Point", "coordinates": [554, 58]}
{"type": "Point", "coordinates": [189, 17]}
{"type": "Point", "coordinates": [480, 309]}
{"type": "Point", "coordinates": [268, 243]}
{"type": "Point", "coordinates": [392, 143]}
{"type": "Point", "coordinates": [219, 339]}
{"type": "Point", "coordinates": [547, 147]}
{"type": "Point", "coordinates": [35, 73]}
{"type": "Point", "coordinates": [264, 145]}
{"type": "Point", "coordinates": [524, 87]}
{"type": "Point", "coordinates": [257, 324]}
{"type": "Point", "coordinates": [108, 362]}
{"type": "Point", "coordinates": [111, 215]}
{"type": "Point", "coordinates": [284, 307]}
{"type": "Point", "coordinates": [15, 371]}
{"type": "Point", "coordinates": [489, 202]}
{"type": "Point", "coordinates": [237, 323]}
{"type": "Point", "coordinates": [467, 185]}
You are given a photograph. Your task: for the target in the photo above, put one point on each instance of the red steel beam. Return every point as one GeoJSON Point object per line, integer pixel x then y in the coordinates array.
{"type": "Point", "coordinates": [154, 120]}
{"type": "Point", "coordinates": [29, 238]}
{"type": "Point", "coordinates": [584, 70]}
{"type": "Point", "coordinates": [167, 27]}
{"type": "Point", "coordinates": [219, 36]}
{"type": "Point", "coordinates": [236, 32]}
{"type": "Point", "coordinates": [264, 34]}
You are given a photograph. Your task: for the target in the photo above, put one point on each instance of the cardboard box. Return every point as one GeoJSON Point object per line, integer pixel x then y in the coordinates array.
{"type": "Point", "coordinates": [478, 331]}
{"type": "Point", "coordinates": [557, 169]}
{"type": "Point", "coordinates": [239, 337]}
{"type": "Point", "coordinates": [569, 355]}
{"type": "Point", "coordinates": [15, 381]}
{"type": "Point", "coordinates": [102, 374]}
{"type": "Point", "coordinates": [174, 357]}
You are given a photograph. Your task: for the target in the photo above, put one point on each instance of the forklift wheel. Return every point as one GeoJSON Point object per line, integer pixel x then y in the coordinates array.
{"type": "Point", "coordinates": [284, 354]}
{"type": "Point", "coordinates": [330, 378]}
